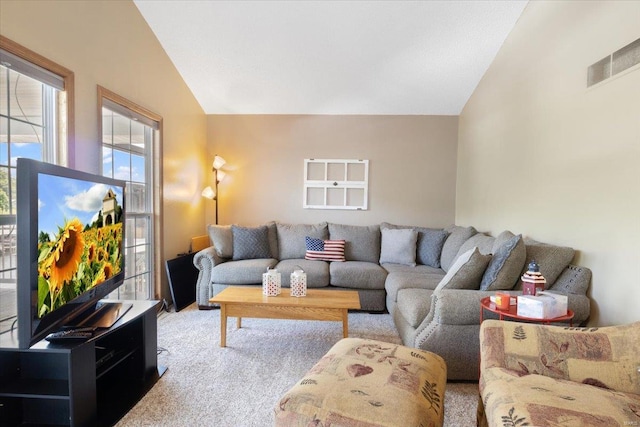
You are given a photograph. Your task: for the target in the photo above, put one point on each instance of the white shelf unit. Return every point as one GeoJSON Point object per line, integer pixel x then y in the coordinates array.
{"type": "Point", "coordinates": [336, 184]}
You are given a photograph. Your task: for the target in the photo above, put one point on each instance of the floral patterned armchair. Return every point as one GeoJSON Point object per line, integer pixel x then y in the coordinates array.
{"type": "Point", "coordinates": [539, 375]}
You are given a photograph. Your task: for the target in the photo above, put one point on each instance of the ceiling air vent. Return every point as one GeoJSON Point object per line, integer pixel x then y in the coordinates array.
{"type": "Point", "coordinates": [615, 63]}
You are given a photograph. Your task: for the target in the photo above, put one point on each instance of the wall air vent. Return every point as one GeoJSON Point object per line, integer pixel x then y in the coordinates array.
{"type": "Point", "coordinates": [615, 63]}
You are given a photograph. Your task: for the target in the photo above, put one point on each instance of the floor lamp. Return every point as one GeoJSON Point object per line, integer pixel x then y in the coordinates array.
{"type": "Point", "coordinates": [218, 175]}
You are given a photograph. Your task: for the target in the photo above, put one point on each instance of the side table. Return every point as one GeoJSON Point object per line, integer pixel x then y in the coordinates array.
{"type": "Point", "coordinates": [182, 275]}
{"type": "Point", "coordinates": [512, 313]}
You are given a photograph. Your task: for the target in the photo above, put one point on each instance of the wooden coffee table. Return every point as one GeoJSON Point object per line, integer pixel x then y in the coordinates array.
{"type": "Point", "coordinates": [319, 304]}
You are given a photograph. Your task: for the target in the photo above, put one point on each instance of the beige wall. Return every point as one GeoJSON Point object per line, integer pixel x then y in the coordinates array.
{"type": "Point", "coordinates": [412, 163]}
{"type": "Point", "coordinates": [108, 43]}
{"type": "Point", "coordinates": [540, 154]}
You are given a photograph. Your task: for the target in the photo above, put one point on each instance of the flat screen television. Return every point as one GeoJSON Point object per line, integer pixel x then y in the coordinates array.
{"type": "Point", "coordinates": [71, 233]}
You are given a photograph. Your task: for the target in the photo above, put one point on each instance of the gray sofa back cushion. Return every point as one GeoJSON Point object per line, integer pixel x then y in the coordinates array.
{"type": "Point", "coordinates": [457, 236]}
{"type": "Point", "coordinates": [362, 242]}
{"type": "Point", "coordinates": [551, 259]}
{"type": "Point", "coordinates": [291, 243]}
{"type": "Point", "coordinates": [429, 244]}
{"type": "Point", "coordinates": [222, 239]}
{"type": "Point", "coordinates": [483, 242]}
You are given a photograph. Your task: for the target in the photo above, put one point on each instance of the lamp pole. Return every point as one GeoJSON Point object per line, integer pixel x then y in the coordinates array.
{"type": "Point", "coordinates": [215, 177]}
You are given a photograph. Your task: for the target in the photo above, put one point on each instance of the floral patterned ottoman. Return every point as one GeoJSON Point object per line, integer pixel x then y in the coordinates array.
{"type": "Point", "coordinates": [366, 383]}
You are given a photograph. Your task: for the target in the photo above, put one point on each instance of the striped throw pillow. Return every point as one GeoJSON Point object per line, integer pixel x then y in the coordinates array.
{"type": "Point", "coordinates": [324, 250]}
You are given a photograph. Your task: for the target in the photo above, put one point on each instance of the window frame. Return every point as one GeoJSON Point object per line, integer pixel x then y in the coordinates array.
{"type": "Point", "coordinates": [156, 175]}
{"type": "Point", "coordinates": [66, 152]}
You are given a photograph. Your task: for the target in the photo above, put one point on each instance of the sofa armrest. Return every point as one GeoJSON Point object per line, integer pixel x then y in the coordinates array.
{"type": "Point", "coordinates": [573, 280]}
{"type": "Point", "coordinates": [458, 306]}
{"type": "Point", "coordinates": [204, 261]}
{"type": "Point", "coordinates": [606, 357]}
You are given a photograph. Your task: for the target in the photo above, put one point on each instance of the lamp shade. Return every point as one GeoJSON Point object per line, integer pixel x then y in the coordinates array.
{"type": "Point", "coordinates": [218, 162]}
{"type": "Point", "coordinates": [221, 175]}
{"type": "Point", "coordinates": [209, 193]}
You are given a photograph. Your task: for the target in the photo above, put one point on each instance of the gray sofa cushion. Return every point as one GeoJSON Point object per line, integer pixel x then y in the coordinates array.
{"type": "Point", "coordinates": [457, 236]}
{"type": "Point", "coordinates": [398, 246]}
{"type": "Point", "coordinates": [317, 272]}
{"type": "Point", "coordinates": [551, 259]}
{"type": "Point", "coordinates": [362, 242]}
{"type": "Point", "coordinates": [243, 272]}
{"type": "Point", "coordinates": [357, 275]}
{"type": "Point", "coordinates": [414, 304]}
{"type": "Point", "coordinates": [397, 280]}
{"type": "Point", "coordinates": [273, 239]}
{"type": "Point", "coordinates": [222, 239]}
{"type": "Point", "coordinates": [483, 242]}
{"type": "Point", "coordinates": [429, 244]}
{"type": "Point", "coordinates": [291, 244]}
{"type": "Point", "coordinates": [505, 266]}
{"type": "Point", "coordinates": [466, 272]}
{"type": "Point", "coordinates": [501, 240]}
{"type": "Point", "coordinates": [250, 242]}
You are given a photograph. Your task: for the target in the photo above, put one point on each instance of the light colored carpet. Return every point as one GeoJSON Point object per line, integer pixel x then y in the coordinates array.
{"type": "Point", "coordinates": [238, 386]}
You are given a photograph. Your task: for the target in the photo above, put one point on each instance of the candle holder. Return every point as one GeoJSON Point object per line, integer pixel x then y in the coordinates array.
{"type": "Point", "coordinates": [298, 283]}
{"type": "Point", "coordinates": [271, 283]}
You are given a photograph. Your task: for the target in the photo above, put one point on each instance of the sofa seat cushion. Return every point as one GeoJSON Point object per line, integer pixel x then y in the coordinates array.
{"type": "Point", "coordinates": [539, 400]}
{"type": "Point", "coordinates": [397, 280]}
{"type": "Point", "coordinates": [414, 304]}
{"type": "Point", "coordinates": [357, 275]}
{"type": "Point", "coordinates": [242, 272]}
{"type": "Point", "coordinates": [317, 272]}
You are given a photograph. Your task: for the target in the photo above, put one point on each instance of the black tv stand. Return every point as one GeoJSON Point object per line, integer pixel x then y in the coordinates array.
{"type": "Point", "coordinates": [104, 315]}
{"type": "Point", "coordinates": [92, 383]}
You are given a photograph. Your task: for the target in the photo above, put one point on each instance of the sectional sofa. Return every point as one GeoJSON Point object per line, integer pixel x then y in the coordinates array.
{"type": "Point", "coordinates": [430, 280]}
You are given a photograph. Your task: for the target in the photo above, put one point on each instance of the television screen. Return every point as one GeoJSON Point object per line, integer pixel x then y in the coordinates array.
{"type": "Point", "coordinates": [70, 245]}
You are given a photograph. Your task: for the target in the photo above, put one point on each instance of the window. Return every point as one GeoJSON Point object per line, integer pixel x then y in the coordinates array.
{"type": "Point", "coordinates": [33, 124]}
{"type": "Point", "coordinates": [130, 135]}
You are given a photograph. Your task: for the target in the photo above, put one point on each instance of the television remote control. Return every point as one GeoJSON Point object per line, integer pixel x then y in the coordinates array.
{"type": "Point", "coordinates": [70, 335]}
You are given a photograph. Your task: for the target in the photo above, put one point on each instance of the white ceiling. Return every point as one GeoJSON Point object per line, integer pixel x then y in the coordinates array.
{"type": "Point", "coordinates": [331, 57]}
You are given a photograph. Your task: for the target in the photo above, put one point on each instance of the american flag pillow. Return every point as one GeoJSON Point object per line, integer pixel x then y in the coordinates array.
{"type": "Point", "coordinates": [324, 250]}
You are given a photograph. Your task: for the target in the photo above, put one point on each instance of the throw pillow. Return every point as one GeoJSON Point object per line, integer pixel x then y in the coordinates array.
{"type": "Point", "coordinates": [250, 242]}
{"type": "Point", "coordinates": [398, 246]}
{"type": "Point", "coordinates": [429, 244]}
{"type": "Point", "coordinates": [505, 266]}
{"type": "Point", "coordinates": [466, 271]}
{"type": "Point", "coordinates": [324, 250]}
{"type": "Point", "coordinates": [221, 239]}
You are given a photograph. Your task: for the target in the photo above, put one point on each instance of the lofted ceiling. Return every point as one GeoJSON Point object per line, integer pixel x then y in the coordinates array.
{"type": "Point", "coordinates": [331, 57]}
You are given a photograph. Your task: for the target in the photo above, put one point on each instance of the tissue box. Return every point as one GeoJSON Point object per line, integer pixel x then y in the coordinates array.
{"type": "Point", "coordinates": [545, 305]}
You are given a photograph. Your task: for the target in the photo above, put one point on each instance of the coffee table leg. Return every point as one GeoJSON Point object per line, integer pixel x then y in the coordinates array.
{"type": "Point", "coordinates": [239, 323]}
{"type": "Point", "coordinates": [345, 323]}
{"type": "Point", "coordinates": [223, 325]}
